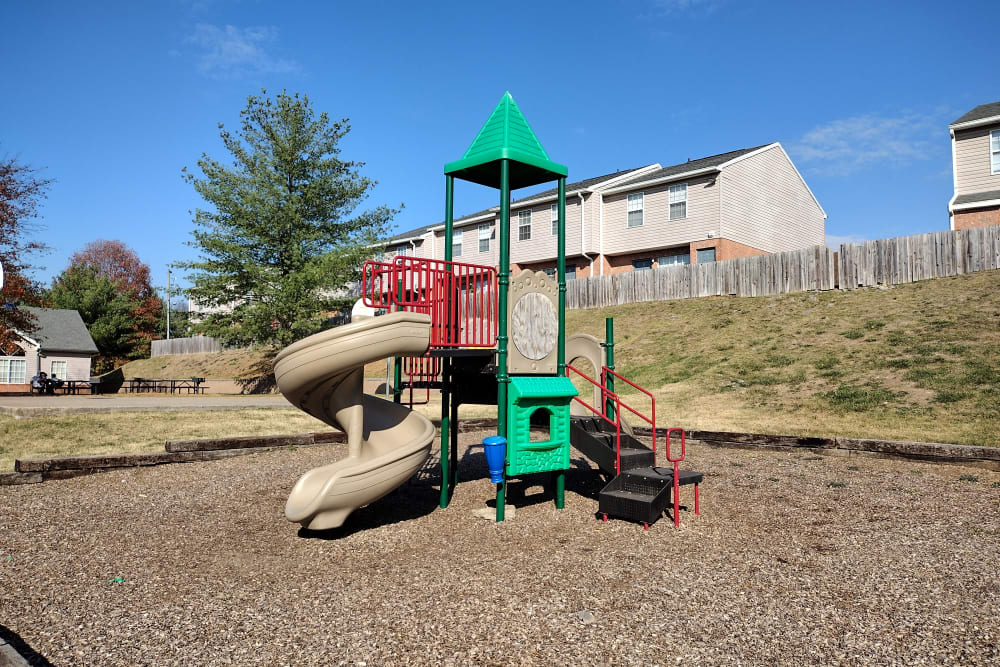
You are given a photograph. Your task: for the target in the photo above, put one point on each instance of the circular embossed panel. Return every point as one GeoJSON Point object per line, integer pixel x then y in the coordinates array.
{"type": "Point", "coordinates": [534, 326]}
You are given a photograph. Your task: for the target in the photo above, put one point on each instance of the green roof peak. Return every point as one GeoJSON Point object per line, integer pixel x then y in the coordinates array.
{"type": "Point", "coordinates": [506, 135]}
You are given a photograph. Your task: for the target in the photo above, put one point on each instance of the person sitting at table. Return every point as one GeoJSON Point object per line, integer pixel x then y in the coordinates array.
{"type": "Point", "coordinates": [42, 384]}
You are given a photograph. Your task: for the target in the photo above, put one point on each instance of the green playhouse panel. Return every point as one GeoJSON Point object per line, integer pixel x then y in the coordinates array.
{"type": "Point", "coordinates": [526, 395]}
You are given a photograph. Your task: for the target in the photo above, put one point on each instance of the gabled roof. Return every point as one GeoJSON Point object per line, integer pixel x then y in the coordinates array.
{"type": "Point", "coordinates": [61, 331]}
{"type": "Point", "coordinates": [982, 112]}
{"type": "Point", "coordinates": [691, 165]}
{"type": "Point", "coordinates": [506, 135]}
{"type": "Point", "coordinates": [579, 185]}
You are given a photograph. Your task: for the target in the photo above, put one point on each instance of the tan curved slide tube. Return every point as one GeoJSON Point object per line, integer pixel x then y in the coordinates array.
{"type": "Point", "coordinates": [387, 443]}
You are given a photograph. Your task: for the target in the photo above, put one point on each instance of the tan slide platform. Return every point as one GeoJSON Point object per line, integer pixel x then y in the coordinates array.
{"type": "Point", "coordinates": [387, 443]}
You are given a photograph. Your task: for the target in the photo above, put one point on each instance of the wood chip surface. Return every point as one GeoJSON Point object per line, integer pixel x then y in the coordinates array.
{"type": "Point", "coordinates": [795, 559]}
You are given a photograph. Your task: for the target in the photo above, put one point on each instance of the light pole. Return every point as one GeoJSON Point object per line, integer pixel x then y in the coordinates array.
{"type": "Point", "coordinates": [168, 302]}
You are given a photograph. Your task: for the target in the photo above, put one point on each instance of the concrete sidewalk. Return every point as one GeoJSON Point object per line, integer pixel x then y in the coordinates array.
{"type": "Point", "coordinates": [41, 406]}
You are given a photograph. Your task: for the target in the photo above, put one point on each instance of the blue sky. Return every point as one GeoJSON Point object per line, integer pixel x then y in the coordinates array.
{"type": "Point", "coordinates": [114, 99]}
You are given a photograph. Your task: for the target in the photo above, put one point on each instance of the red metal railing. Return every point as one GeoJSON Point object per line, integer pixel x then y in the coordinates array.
{"type": "Point", "coordinates": [651, 420]}
{"type": "Point", "coordinates": [617, 422]}
{"type": "Point", "coordinates": [677, 486]}
{"type": "Point", "coordinates": [460, 298]}
{"type": "Point", "coordinates": [423, 370]}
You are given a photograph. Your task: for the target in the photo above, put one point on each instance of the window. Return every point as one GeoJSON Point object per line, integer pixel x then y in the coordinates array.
{"type": "Point", "coordinates": [58, 370]}
{"type": "Point", "coordinates": [678, 201]}
{"type": "Point", "coordinates": [995, 152]}
{"type": "Point", "coordinates": [456, 243]}
{"type": "Point", "coordinates": [12, 371]}
{"type": "Point", "coordinates": [524, 225]}
{"type": "Point", "coordinates": [485, 230]}
{"type": "Point", "coordinates": [550, 272]}
{"type": "Point", "coordinates": [571, 272]}
{"type": "Point", "coordinates": [554, 214]}
{"type": "Point", "coordinates": [642, 264]}
{"type": "Point", "coordinates": [706, 255]}
{"type": "Point", "coordinates": [401, 251]}
{"type": "Point", "coordinates": [635, 210]}
{"type": "Point", "coordinates": [674, 258]}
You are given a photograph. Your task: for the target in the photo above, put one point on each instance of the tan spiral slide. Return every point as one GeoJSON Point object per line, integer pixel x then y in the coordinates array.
{"type": "Point", "coordinates": [387, 443]}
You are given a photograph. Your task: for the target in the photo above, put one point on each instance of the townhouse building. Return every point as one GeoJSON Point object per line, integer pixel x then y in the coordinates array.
{"type": "Point", "coordinates": [975, 156]}
{"type": "Point", "coordinates": [745, 202]}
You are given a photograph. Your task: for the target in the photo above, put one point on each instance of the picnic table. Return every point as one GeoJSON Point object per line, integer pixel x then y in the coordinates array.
{"type": "Point", "coordinates": [164, 385]}
{"type": "Point", "coordinates": [74, 386]}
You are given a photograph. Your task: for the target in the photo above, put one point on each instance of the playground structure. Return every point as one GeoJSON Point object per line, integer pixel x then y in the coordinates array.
{"type": "Point", "coordinates": [480, 337]}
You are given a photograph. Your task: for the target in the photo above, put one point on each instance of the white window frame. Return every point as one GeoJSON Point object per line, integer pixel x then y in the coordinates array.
{"type": "Point", "coordinates": [523, 235]}
{"type": "Point", "coordinates": [994, 152]}
{"type": "Point", "coordinates": [401, 250]}
{"type": "Point", "coordinates": [488, 229]}
{"type": "Point", "coordinates": [456, 242]}
{"type": "Point", "coordinates": [7, 375]}
{"type": "Point", "coordinates": [630, 208]}
{"type": "Point", "coordinates": [54, 374]}
{"type": "Point", "coordinates": [672, 258]}
{"type": "Point", "coordinates": [679, 191]}
{"type": "Point", "coordinates": [554, 215]}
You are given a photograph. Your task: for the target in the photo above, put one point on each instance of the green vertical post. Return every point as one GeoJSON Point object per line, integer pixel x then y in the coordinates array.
{"type": "Point", "coordinates": [609, 361]}
{"type": "Point", "coordinates": [446, 409]}
{"type": "Point", "coordinates": [560, 475]}
{"type": "Point", "coordinates": [453, 482]}
{"type": "Point", "coordinates": [503, 379]}
{"type": "Point", "coordinates": [397, 368]}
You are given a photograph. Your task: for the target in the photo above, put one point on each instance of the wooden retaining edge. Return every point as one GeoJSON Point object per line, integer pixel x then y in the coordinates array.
{"type": "Point", "coordinates": [34, 471]}
{"type": "Point", "coordinates": [967, 455]}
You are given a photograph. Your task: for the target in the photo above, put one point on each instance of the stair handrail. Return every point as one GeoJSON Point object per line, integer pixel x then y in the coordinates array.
{"type": "Point", "coordinates": [617, 422]}
{"type": "Point", "coordinates": [677, 472]}
{"type": "Point", "coordinates": [651, 420]}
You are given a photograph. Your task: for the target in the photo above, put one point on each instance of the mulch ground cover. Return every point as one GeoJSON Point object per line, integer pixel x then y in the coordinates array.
{"type": "Point", "coordinates": [795, 559]}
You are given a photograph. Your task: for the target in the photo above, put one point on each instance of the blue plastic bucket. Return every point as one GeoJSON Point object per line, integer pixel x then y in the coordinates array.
{"type": "Point", "coordinates": [495, 447]}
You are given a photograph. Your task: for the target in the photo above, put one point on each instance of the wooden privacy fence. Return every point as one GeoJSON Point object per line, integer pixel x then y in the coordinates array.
{"type": "Point", "coordinates": [779, 273]}
{"type": "Point", "coordinates": [192, 345]}
{"type": "Point", "coordinates": [906, 259]}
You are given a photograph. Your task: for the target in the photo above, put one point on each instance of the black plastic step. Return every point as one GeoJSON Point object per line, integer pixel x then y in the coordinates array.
{"type": "Point", "coordinates": [642, 494]}
{"type": "Point", "coordinates": [589, 435]}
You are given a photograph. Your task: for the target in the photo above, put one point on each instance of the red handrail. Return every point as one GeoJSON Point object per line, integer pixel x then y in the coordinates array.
{"type": "Point", "coordinates": [617, 421]}
{"type": "Point", "coordinates": [651, 420]}
{"type": "Point", "coordinates": [677, 486]}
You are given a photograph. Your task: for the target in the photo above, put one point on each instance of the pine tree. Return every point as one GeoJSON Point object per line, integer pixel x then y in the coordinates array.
{"type": "Point", "coordinates": [283, 236]}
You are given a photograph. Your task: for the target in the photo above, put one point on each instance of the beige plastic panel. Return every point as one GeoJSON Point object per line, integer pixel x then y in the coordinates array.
{"type": "Point", "coordinates": [534, 324]}
{"type": "Point", "coordinates": [386, 442]}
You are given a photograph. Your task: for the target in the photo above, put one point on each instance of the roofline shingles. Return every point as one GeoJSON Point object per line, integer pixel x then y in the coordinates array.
{"type": "Point", "coordinates": [982, 111]}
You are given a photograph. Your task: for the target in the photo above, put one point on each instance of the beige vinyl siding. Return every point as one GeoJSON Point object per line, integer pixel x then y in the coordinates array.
{"type": "Point", "coordinates": [470, 244]}
{"type": "Point", "coordinates": [765, 204]}
{"type": "Point", "coordinates": [77, 365]}
{"type": "Point", "coordinates": [657, 230]}
{"type": "Point", "coordinates": [542, 245]}
{"type": "Point", "coordinates": [972, 161]}
{"type": "Point", "coordinates": [593, 223]}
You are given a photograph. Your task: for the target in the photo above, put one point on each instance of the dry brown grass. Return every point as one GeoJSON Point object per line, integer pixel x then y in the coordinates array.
{"type": "Point", "coordinates": [229, 364]}
{"type": "Point", "coordinates": [130, 432]}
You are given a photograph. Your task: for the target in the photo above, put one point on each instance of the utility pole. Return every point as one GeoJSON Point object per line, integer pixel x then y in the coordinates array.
{"type": "Point", "coordinates": [168, 302]}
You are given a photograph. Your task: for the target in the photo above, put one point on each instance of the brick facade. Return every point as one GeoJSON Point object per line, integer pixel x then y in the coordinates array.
{"type": "Point", "coordinates": [724, 249]}
{"type": "Point", "coordinates": [977, 217]}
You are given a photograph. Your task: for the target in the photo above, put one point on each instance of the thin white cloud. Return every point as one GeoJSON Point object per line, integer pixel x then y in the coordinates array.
{"type": "Point", "coordinates": [231, 52]}
{"type": "Point", "coordinates": [674, 7]}
{"type": "Point", "coordinates": [848, 145]}
{"type": "Point", "coordinates": [833, 241]}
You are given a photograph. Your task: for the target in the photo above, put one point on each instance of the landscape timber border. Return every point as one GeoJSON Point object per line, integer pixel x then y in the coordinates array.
{"type": "Point", "coordinates": [34, 471]}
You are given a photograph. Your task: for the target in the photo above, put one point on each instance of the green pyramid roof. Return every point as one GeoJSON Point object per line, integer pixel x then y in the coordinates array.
{"type": "Point", "coordinates": [506, 134]}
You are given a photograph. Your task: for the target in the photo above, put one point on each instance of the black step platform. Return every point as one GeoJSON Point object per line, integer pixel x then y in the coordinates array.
{"type": "Point", "coordinates": [595, 439]}
{"type": "Point", "coordinates": [642, 494]}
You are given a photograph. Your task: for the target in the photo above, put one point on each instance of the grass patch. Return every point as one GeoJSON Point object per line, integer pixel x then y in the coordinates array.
{"type": "Point", "coordinates": [859, 399]}
{"type": "Point", "coordinates": [874, 325]}
{"type": "Point", "coordinates": [968, 478]}
{"type": "Point", "coordinates": [134, 432]}
{"type": "Point", "coordinates": [852, 334]}
{"type": "Point", "coordinates": [838, 485]}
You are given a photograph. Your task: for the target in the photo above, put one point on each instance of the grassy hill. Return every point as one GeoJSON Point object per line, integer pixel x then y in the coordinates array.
{"type": "Point", "coordinates": [917, 362]}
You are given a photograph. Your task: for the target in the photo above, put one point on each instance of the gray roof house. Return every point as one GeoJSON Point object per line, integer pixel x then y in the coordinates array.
{"type": "Point", "coordinates": [975, 157]}
{"type": "Point", "coordinates": [60, 345]}
{"type": "Point", "coordinates": [750, 201]}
